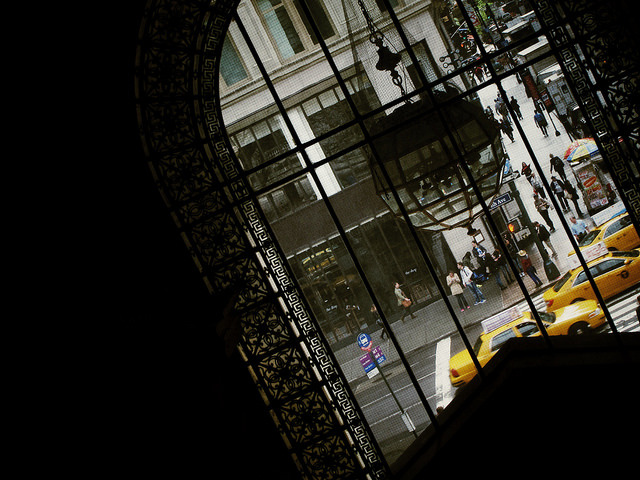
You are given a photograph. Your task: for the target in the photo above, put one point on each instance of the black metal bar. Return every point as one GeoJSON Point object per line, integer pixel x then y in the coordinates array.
{"type": "Point", "coordinates": [472, 181]}
{"type": "Point", "coordinates": [563, 221]}
{"type": "Point", "coordinates": [366, 283]}
{"type": "Point", "coordinates": [303, 153]}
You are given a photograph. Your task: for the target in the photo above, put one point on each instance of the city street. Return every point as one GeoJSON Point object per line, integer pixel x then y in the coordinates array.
{"type": "Point", "coordinates": [413, 335]}
{"type": "Point", "coordinates": [430, 365]}
{"type": "Point", "coordinates": [542, 146]}
{"type": "Point", "coordinates": [429, 340]}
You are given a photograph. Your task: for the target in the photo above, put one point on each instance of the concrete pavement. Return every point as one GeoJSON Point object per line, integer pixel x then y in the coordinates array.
{"type": "Point", "coordinates": [434, 322]}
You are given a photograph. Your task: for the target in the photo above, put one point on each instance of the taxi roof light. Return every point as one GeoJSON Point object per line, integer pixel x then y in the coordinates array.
{"type": "Point", "coordinates": [498, 320]}
{"type": "Point", "coordinates": [590, 253]}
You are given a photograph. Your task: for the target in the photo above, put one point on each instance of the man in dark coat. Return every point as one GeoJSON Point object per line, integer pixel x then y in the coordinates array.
{"type": "Point", "coordinates": [558, 165]}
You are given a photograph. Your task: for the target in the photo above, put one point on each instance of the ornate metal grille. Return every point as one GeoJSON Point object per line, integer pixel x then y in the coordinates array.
{"type": "Point", "coordinates": [229, 239]}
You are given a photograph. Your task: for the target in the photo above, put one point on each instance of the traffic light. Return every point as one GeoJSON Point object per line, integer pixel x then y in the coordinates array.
{"type": "Point", "coordinates": [514, 226]}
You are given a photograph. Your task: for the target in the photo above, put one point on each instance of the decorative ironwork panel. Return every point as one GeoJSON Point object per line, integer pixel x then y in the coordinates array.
{"type": "Point", "coordinates": [230, 240]}
{"type": "Point", "coordinates": [265, 330]}
{"type": "Point", "coordinates": [287, 354]}
{"type": "Point", "coordinates": [608, 58]}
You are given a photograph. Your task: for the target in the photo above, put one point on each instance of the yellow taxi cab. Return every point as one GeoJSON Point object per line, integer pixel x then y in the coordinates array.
{"type": "Point", "coordinates": [617, 234]}
{"type": "Point", "coordinates": [613, 272]}
{"type": "Point", "coordinates": [579, 318]}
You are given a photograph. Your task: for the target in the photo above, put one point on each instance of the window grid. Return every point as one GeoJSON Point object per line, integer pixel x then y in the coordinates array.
{"type": "Point", "coordinates": [494, 79]}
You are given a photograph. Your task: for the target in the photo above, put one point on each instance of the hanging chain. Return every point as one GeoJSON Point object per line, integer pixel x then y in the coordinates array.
{"type": "Point", "coordinates": [388, 60]}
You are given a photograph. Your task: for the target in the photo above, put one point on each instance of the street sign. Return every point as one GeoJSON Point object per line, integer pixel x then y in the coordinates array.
{"type": "Point", "coordinates": [379, 356]}
{"type": "Point", "coordinates": [369, 365]}
{"type": "Point", "coordinates": [501, 200]}
{"type": "Point", "coordinates": [364, 341]}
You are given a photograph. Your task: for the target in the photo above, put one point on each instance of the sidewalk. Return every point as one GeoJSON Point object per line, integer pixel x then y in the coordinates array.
{"type": "Point", "coordinates": [434, 322]}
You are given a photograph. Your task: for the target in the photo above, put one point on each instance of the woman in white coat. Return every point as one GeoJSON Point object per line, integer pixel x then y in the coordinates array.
{"type": "Point", "coordinates": [455, 284]}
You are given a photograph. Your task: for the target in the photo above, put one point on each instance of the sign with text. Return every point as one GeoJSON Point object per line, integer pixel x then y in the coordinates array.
{"type": "Point", "coordinates": [500, 200]}
{"type": "Point", "coordinates": [377, 353]}
{"type": "Point", "coordinates": [364, 341]}
{"type": "Point", "coordinates": [500, 319]}
{"type": "Point", "coordinates": [368, 363]}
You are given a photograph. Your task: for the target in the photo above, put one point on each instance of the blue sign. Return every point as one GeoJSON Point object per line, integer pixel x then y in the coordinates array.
{"type": "Point", "coordinates": [364, 340]}
{"type": "Point", "coordinates": [501, 200]}
{"type": "Point", "coordinates": [379, 356]}
{"type": "Point", "coordinates": [367, 363]}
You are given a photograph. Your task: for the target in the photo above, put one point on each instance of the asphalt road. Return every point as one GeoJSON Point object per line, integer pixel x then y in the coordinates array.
{"type": "Point", "coordinates": [430, 366]}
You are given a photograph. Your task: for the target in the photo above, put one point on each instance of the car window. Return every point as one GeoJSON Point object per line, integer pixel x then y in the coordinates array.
{"type": "Point", "coordinates": [597, 270]}
{"type": "Point", "coordinates": [501, 338]}
{"type": "Point", "coordinates": [527, 328]}
{"type": "Point", "coordinates": [558, 285]}
{"type": "Point", "coordinates": [589, 237]}
{"type": "Point", "coordinates": [582, 277]}
{"type": "Point", "coordinates": [613, 228]}
{"type": "Point", "coordinates": [549, 317]}
{"type": "Point", "coordinates": [631, 253]}
{"type": "Point", "coordinates": [608, 265]}
{"type": "Point", "coordinates": [625, 221]}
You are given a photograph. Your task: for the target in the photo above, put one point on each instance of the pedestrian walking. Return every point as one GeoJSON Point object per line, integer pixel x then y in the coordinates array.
{"type": "Point", "coordinates": [541, 122]}
{"type": "Point", "coordinates": [489, 112]}
{"type": "Point", "coordinates": [578, 228]}
{"type": "Point", "coordinates": [504, 111]}
{"type": "Point", "coordinates": [481, 256]}
{"type": "Point", "coordinates": [526, 171]}
{"type": "Point", "coordinates": [557, 187]}
{"type": "Point", "coordinates": [542, 206]}
{"type": "Point", "coordinates": [501, 270]}
{"type": "Point", "coordinates": [507, 129]}
{"type": "Point", "coordinates": [515, 106]}
{"type": "Point", "coordinates": [537, 186]}
{"type": "Point", "coordinates": [403, 301]}
{"type": "Point", "coordinates": [376, 317]}
{"type": "Point", "coordinates": [479, 73]}
{"type": "Point", "coordinates": [455, 285]}
{"type": "Point", "coordinates": [528, 268]}
{"type": "Point", "coordinates": [558, 166]}
{"type": "Point", "coordinates": [545, 237]}
{"type": "Point", "coordinates": [467, 277]}
{"type": "Point", "coordinates": [572, 194]}
{"type": "Point", "coordinates": [512, 251]}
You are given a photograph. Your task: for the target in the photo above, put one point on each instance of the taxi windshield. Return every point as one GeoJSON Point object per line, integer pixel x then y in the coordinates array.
{"type": "Point", "coordinates": [558, 285]}
{"type": "Point", "coordinates": [589, 238]}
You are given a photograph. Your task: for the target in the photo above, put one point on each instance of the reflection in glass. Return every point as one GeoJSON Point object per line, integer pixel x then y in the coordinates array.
{"type": "Point", "coordinates": [425, 168]}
